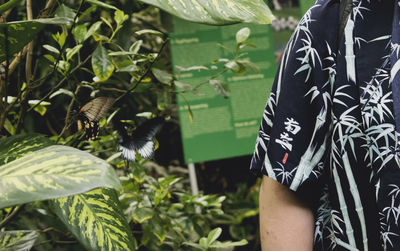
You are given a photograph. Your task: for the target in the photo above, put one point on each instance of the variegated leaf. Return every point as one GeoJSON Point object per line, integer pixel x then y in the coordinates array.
{"type": "Point", "coordinates": [17, 240]}
{"type": "Point", "coordinates": [52, 172]}
{"type": "Point", "coordinates": [16, 146]}
{"type": "Point", "coordinates": [102, 64]}
{"type": "Point", "coordinates": [217, 12]}
{"type": "Point", "coordinates": [96, 219]}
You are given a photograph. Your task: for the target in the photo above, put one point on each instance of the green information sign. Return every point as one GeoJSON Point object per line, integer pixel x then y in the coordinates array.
{"type": "Point", "coordinates": [305, 5]}
{"type": "Point", "coordinates": [221, 128]}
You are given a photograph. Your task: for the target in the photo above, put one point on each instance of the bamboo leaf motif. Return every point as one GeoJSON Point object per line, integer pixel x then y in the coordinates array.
{"type": "Point", "coordinates": [96, 220]}
{"type": "Point", "coordinates": [18, 240]}
{"type": "Point", "coordinates": [217, 12]}
{"type": "Point", "coordinates": [48, 173]}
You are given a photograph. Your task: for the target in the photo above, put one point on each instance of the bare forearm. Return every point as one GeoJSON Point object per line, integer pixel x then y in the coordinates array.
{"type": "Point", "coordinates": [285, 222]}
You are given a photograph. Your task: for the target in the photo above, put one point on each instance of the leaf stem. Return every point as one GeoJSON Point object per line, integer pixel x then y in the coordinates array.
{"type": "Point", "coordinates": [14, 212]}
{"type": "Point", "coordinates": [145, 74]}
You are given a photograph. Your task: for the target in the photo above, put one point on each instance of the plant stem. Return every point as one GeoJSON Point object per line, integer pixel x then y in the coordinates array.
{"type": "Point", "coordinates": [67, 117]}
{"type": "Point", "coordinates": [10, 4]}
{"type": "Point", "coordinates": [10, 216]}
{"type": "Point", "coordinates": [28, 72]}
{"type": "Point", "coordinates": [61, 82]}
{"type": "Point", "coordinates": [145, 74]}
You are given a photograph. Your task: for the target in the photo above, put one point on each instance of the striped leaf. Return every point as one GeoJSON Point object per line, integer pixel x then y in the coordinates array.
{"type": "Point", "coordinates": [16, 146]}
{"type": "Point", "coordinates": [51, 172]}
{"type": "Point", "coordinates": [217, 12]}
{"type": "Point", "coordinates": [17, 240]}
{"type": "Point", "coordinates": [96, 219]}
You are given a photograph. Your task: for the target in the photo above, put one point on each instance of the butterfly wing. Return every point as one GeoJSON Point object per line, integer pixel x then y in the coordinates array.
{"type": "Point", "coordinates": [91, 129]}
{"type": "Point", "coordinates": [95, 109]}
{"type": "Point", "coordinates": [141, 140]}
{"type": "Point", "coordinates": [144, 134]}
{"type": "Point", "coordinates": [128, 151]}
{"type": "Point", "coordinates": [91, 113]}
{"type": "Point", "coordinates": [145, 147]}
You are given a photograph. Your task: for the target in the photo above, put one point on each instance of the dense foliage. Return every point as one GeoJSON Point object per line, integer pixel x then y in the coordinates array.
{"type": "Point", "coordinates": [58, 190]}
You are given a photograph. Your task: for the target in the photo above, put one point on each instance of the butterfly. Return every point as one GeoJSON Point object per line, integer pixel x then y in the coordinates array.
{"type": "Point", "coordinates": [140, 141]}
{"type": "Point", "coordinates": [91, 113]}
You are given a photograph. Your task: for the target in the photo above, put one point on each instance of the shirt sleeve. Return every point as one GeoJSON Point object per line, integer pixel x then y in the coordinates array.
{"type": "Point", "coordinates": [293, 139]}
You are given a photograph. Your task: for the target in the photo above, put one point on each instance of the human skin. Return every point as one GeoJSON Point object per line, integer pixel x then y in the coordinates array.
{"type": "Point", "coordinates": [286, 223]}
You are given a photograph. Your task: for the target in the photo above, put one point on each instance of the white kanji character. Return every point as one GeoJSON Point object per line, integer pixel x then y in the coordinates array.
{"type": "Point", "coordinates": [284, 141]}
{"type": "Point", "coordinates": [292, 126]}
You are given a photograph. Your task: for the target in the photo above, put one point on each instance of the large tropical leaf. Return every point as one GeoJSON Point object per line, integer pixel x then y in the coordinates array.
{"type": "Point", "coordinates": [51, 172]}
{"type": "Point", "coordinates": [17, 240]}
{"type": "Point", "coordinates": [17, 146]}
{"type": "Point", "coordinates": [217, 12]}
{"type": "Point", "coordinates": [96, 219]}
{"type": "Point", "coordinates": [20, 33]}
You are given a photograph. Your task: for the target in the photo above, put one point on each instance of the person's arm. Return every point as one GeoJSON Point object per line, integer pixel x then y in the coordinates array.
{"type": "Point", "coordinates": [286, 224]}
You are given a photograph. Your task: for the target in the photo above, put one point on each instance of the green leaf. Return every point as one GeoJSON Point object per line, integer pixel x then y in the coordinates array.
{"type": "Point", "coordinates": [21, 33]}
{"type": "Point", "coordinates": [107, 23]}
{"type": "Point", "coordinates": [164, 100]}
{"type": "Point", "coordinates": [233, 66]}
{"type": "Point", "coordinates": [149, 31]}
{"type": "Point", "coordinates": [41, 109]}
{"type": "Point", "coordinates": [9, 127]}
{"type": "Point", "coordinates": [242, 35]}
{"type": "Point", "coordinates": [79, 33]}
{"type": "Point", "coordinates": [60, 38]}
{"type": "Point", "coordinates": [195, 245]}
{"type": "Point", "coordinates": [129, 68]}
{"type": "Point", "coordinates": [96, 220]}
{"type": "Point", "coordinates": [192, 68]}
{"type": "Point", "coordinates": [184, 86]}
{"type": "Point", "coordinates": [51, 48]}
{"type": "Point", "coordinates": [104, 5]}
{"type": "Point", "coordinates": [249, 66]}
{"type": "Point", "coordinates": [93, 29]}
{"type": "Point", "coordinates": [135, 47]}
{"type": "Point", "coordinates": [227, 244]}
{"type": "Point", "coordinates": [203, 242]}
{"type": "Point", "coordinates": [220, 88]}
{"type": "Point", "coordinates": [102, 64]}
{"type": "Point", "coordinates": [120, 17]}
{"type": "Point", "coordinates": [51, 172]}
{"type": "Point", "coordinates": [214, 235]}
{"type": "Point", "coordinates": [141, 214]}
{"type": "Point", "coordinates": [217, 12]}
{"type": "Point", "coordinates": [121, 53]}
{"type": "Point", "coordinates": [62, 91]}
{"type": "Point", "coordinates": [50, 58]}
{"type": "Point", "coordinates": [158, 229]}
{"type": "Point", "coordinates": [19, 145]}
{"type": "Point", "coordinates": [65, 11]}
{"type": "Point", "coordinates": [72, 51]}
{"type": "Point", "coordinates": [17, 240]}
{"type": "Point", "coordinates": [162, 76]}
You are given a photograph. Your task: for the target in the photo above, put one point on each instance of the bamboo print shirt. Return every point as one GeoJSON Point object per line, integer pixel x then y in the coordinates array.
{"type": "Point", "coordinates": [328, 129]}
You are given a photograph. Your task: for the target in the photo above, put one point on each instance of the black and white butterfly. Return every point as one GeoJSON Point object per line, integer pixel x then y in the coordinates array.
{"type": "Point", "coordinates": [91, 113]}
{"type": "Point", "coordinates": [140, 141]}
